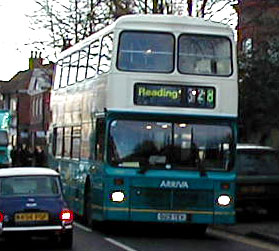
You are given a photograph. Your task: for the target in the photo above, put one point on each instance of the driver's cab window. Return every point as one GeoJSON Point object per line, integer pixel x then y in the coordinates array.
{"type": "Point", "coordinates": [100, 139]}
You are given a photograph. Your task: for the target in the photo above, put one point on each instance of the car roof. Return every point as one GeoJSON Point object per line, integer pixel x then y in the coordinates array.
{"type": "Point", "coordinates": [24, 171]}
{"type": "Point", "coordinates": [242, 146]}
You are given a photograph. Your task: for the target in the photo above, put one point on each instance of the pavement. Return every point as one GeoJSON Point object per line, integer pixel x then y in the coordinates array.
{"type": "Point", "coordinates": [263, 228]}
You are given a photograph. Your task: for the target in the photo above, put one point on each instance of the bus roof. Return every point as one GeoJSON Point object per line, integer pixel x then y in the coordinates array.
{"type": "Point", "coordinates": [169, 20]}
{"type": "Point", "coordinates": [159, 23]}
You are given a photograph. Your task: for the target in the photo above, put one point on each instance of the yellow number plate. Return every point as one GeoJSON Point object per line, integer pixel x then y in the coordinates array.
{"type": "Point", "coordinates": [23, 217]}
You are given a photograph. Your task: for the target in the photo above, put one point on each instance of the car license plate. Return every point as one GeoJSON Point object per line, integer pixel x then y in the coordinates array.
{"type": "Point", "coordinates": [173, 217]}
{"type": "Point", "coordinates": [24, 217]}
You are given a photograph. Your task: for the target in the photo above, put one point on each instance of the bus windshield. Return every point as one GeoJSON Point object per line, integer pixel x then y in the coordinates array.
{"type": "Point", "coordinates": [169, 145]}
{"type": "Point", "coordinates": [146, 52]}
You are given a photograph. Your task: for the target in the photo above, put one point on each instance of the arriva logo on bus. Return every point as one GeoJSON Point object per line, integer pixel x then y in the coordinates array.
{"type": "Point", "coordinates": [174, 184]}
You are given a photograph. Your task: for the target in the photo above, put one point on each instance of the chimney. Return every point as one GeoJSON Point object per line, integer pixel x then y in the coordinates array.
{"type": "Point", "coordinates": [35, 61]}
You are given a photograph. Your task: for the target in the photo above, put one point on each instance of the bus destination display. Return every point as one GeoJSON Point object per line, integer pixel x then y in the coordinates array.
{"type": "Point", "coordinates": [176, 96]}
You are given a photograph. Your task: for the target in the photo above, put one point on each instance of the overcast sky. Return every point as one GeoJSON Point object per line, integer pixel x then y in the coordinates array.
{"type": "Point", "coordinates": [15, 33]}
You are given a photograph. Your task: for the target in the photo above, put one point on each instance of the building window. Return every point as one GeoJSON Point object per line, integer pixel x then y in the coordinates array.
{"type": "Point", "coordinates": [247, 45]}
{"type": "Point", "coordinates": [13, 104]}
{"type": "Point", "coordinates": [41, 106]}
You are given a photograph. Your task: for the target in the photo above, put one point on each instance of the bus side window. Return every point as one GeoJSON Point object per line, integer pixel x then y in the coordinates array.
{"type": "Point", "coordinates": [67, 142]}
{"type": "Point", "coordinates": [57, 74]}
{"type": "Point", "coordinates": [85, 140]}
{"type": "Point", "coordinates": [65, 71]}
{"type": "Point", "coordinates": [83, 58]}
{"type": "Point", "coordinates": [100, 139]}
{"type": "Point", "coordinates": [106, 54]}
{"type": "Point", "coordinates": [76, 141]}
{"type": "Point", "coordinates": [93, 59]}
{"type": "Point", "coordinates": [59, 142]}
{"type": "Point", "coordinates": [73, 68]}
{"type": "Point", "coordinates": [54, 141]}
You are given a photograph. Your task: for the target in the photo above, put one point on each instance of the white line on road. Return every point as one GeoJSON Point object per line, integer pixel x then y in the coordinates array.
{"type": "Point", "coordinates": [242, 239]}
{"type": "Point", "coordinates": [119, 244]}
{"type": "Point", "coordinates": [114, 242]}
{"type": "Point", "coordinates": [82, 227]}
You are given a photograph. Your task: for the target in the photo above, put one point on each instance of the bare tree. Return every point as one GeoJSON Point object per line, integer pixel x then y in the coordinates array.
{"type": "Point", "coordinates": [68, 22]}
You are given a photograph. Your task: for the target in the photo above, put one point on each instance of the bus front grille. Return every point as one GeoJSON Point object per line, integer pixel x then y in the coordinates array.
{"type": "Point", "coordinates": [171, 199]}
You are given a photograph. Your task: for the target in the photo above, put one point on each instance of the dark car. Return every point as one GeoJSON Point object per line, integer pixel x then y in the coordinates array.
{"type": "Point", "coordinates": [32, 203]}
{"type": "Point", "coordinates": [257, 188]}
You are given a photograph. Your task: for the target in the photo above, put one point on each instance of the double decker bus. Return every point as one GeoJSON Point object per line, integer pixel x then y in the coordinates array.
{"type": "Point", "coordinates": [144, 122]}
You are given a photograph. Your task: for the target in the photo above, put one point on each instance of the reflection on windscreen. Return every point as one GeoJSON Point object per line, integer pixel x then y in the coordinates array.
{"type": "Point", "coordinates": [256, 162]}
{"type": "Point", "coordinates": [146, 52]}
{"type": "Point", "coordinates": [35, 185]}
{"type": "Point", "coordinates": [169, 145]}
{"type": "Point", "coordinates": [205, 55]}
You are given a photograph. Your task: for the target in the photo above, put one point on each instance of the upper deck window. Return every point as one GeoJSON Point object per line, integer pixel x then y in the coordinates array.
{"type": "Point", "coordinates": [106, 53]}
{"type": "Point", "coordinates": [204, 55]}
{"type": "Point", "coordinates": [146, 52]}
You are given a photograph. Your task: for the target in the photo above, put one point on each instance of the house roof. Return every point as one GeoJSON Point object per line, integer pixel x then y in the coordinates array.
{"type": "Point", "coordinates": [18, 82]}
{"type": "Point", "coordinates": [22, 79]}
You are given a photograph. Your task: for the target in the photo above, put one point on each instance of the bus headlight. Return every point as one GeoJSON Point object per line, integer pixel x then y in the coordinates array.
{"type": "Point", "coordinates": [117, 196]}
{"type": "Point", "coordinates": [224, 200]}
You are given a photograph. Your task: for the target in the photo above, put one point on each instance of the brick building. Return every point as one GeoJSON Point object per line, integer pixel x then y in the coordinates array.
{"type": "Point", "coordinates": [27, 96]}
{"type": "Point", "coordinates": [258, 22]}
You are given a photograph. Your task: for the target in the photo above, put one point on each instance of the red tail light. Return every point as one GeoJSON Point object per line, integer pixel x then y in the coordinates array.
{"type": "Point", "coordinates": [1, 217]}
{"type": "Point", "coordinates": [66, 215]}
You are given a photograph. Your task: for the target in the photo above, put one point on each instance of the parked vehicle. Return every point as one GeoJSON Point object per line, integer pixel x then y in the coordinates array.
{"type": "Point", "coordinates": [32, 203]}
{"type": "Point", "coordinates": [257, 187]}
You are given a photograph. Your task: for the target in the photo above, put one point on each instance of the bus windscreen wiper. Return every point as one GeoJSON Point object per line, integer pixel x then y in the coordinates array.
{"type": "Point", "coordinates": [152, 161]}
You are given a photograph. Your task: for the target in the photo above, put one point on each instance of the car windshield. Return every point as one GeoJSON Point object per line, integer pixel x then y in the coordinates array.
{"type": "Point", "coordinates": [257, 162]}
{"type": "Point", "coordinates": [169, 145]}
{"type": "Point", "coordinates": [29, 185]}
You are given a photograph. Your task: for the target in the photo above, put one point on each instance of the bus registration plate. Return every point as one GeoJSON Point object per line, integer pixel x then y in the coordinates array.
{"type": "Point", "coordinates": [172, 217]}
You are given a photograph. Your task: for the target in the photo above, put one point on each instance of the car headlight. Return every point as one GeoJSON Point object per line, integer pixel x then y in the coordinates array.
{"type": "Point", "coordinates": [224, 200]}
{"type": "Point", "coordinates": [117, 196]}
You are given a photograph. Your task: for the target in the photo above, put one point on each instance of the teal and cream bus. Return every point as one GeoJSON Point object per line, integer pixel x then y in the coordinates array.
{"type": "Point", "coordinates": [144, 122]}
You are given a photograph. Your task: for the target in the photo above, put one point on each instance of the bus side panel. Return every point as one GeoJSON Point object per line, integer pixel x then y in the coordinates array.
{"type": "Point", "coordinates": [97, 190]}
